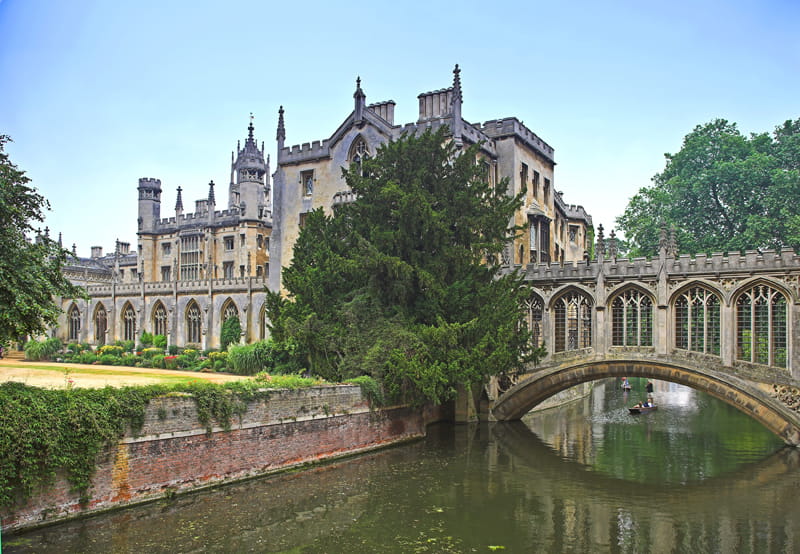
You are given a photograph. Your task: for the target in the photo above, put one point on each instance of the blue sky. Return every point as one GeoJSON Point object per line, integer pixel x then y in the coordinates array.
{"type": "Point", "coordinates": [96, 94]}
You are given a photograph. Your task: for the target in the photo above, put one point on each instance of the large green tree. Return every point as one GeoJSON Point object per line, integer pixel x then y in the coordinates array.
{"type": "Point", "coordinates": [722, 191]}
{"type": "Point", "coordinates": [30, 271]}
{"type": "Point", "coordinates": [401, 285]}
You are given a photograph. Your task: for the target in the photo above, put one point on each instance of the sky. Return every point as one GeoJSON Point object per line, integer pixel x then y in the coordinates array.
{"type": "Point", "coordinates": [96, 94]}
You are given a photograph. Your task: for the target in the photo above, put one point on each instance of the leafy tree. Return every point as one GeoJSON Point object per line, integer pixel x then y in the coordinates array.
{"type": "Point", "coordinates": [30, 272]}
{"type": "Point", "coordinates": [396, 285]}
{"type": "Point", "coordinates": [722, 191]}
{"type": "Point", "coordinates": [231, 332]}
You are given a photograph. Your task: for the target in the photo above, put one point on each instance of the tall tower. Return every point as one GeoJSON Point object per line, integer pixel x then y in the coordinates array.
{"type": "Point", "coordinates": [149, 204]}
{"type": "Point", "coordinates": [248, 192]}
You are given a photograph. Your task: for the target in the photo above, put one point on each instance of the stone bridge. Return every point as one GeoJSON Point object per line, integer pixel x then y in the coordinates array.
{"type": "Point", "coordinates": [728, 325]}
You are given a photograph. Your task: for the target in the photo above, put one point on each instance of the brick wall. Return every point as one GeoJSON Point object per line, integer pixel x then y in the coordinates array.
{"type": "Point", "coordinates": [173, 452]}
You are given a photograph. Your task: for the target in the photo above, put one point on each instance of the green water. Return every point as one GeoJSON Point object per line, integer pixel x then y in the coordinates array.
{"type": "Point", "coordinates": [694, 476]}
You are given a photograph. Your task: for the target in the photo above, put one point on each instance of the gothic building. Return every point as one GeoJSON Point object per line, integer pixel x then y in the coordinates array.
{"type": "Point", "coordinates": [190, 272]}
{"type": "Point", "coordinates": [193, 270]}
{"type": "Point", "coordinates": [309, 176]}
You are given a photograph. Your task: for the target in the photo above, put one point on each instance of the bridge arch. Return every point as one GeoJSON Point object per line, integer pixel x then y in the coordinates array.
{"type": "Point", "coordinates": [747, 398]}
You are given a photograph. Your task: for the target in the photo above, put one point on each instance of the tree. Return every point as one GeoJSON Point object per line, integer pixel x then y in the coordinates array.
{"type": "Point", "coordinates": [30, 271]}
{"type": "Point", "coordinates": [400, 284]}
{"type": "Point", "coordinates": [722, 191]}
{"type": "Point", "coordinates": [231, 332]}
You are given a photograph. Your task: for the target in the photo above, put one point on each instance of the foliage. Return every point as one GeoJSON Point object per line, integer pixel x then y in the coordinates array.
{"type": "Point", "coordinates": [723, 192]}
{"type": "Point", "coordinates": [400, 284]}
{"type": "Point", "coordinates": [44, 432]}
{"type": "Point", "coordinates": [31, 275]}
{"type": "Point", "coordinates": [126, 345]}
{"type": "Point", "coordinates": [160, 341]}
{"type": "Point", "coordinates": [150, 352]}
{"type": "Point", "coordinates": [42, 350]}
{"type": "Point", "coordinates": [110, 349]}
{"type": "Point", "coordinates": [146, 339]}
{"type": "Point", "coordinates": [370, 389]}
{"type": "Point", "coordinates": [231, 332]}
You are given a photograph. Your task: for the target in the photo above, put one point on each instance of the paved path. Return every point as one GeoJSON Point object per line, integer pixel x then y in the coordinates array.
{"type": "Point", "coordinates": [56, 375]}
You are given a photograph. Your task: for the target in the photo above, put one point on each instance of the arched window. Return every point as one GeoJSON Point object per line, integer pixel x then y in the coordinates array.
{"type": "Point", "coordinates": [632, 319]}
{"type": "Point", "coordinates": [263, 328]}
{"type": "Point", "coordinates": [761, 326]}
{"type": "Point", "coordinates": [74, 323]}
{"type": "Point", "coordinates": [229, 310]}
{"type": "Point", "coordinates": [359, 152]}
{"type": "Point", "coordinates": [159, 320]}
{"type": "Point", "coordinates": [193, 323]}
{"type": "Point", "coordinates": [573, 321]}
{"type": "Point", "coordinates": [533, 316]}
{"type": "Point", "coordinates": [697, 321]}
{"type": "Point", "coordinates": [128, 323]}
{"type": "Point", "coordinates": [100, 324]}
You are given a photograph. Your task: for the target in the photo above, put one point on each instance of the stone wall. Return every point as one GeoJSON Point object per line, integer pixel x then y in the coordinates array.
{"type": "Point", "coordinates": [174, 453]}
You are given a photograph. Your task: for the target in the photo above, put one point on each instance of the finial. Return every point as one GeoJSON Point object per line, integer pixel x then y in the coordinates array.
{"type": "Point", "coordinates": [179, 201]}
{"type": "Point", "coordinates": [250, 128]}
{"type": "Point", "coordinates": [60, 244]}
{"type": "Point", "coordinates": [599, 250]}
{"type": "Point", "coordinates": [74, 250]}
{"type": "Point", "coordinates": [359, 93]}
{"type": "Point", "coordinates": [281, 130]}
{"type": "Point", "coordinates": [457, 81]}
{"type": "Point", "coordinates": [211, 199]}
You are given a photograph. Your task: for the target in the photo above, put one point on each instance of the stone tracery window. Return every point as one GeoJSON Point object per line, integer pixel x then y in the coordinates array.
{"type": "Point", "coordinates": [632, 319]}
{"type": "Point", "coordinates": [229, 310]}
{"type": "Point", "coordinates": [573, 321]}
{"type": "Point", "coordinates": [159, 320]}
{"type": "Point", "coordinates": [100, 324]}
{"type": "Point", "coordinates": [359, 152]}
{"type": "Point", "coordinates": [697, 321]}
{"type": "Point", "coordinates": [193, 323]}
{"type": "Point", "coordinates": [128, 323]}
{"type": "Point", "coordinates": [533, 316]}
{"type": "Point", "coordinates": [74, 323]}
{"type": "Point", "coordinates": [762, 326]}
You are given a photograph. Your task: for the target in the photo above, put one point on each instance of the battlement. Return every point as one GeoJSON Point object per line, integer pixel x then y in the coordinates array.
{"type": "Point", "coordinates": [511, 126]}
{"type": "Point", "coordinates": [684, 266]}
{"type": "Point", "coordinates": [149, 182]}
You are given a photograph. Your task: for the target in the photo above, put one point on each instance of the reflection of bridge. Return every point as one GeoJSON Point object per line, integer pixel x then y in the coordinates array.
{"type": "Point", "coordinates": [725, 325]}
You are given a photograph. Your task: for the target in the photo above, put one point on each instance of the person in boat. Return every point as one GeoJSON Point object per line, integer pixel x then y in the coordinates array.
{"type": "Point", "coordinates": [625, 384]}
{"type": "Point", "coordinates": [649, 387]}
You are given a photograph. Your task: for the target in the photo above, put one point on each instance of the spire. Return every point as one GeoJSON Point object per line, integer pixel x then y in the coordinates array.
{"type": "Point", "coordinates": [211, 200]}
{"type": "Point", "coordinates": [250, 128]}
{"type": "Point", "coordinates": [74, 250]}
{"type": "Point", "coordinates": [455, 108]}
{"type": "Point", "coordinates": [60, 243]}
{"type": "Point", "coordinates": [281, 130]}
{"type": "Point", "coordinates": [360, 101]}
{"type": "Point", "coordinates": [599, 250]}
{"type": "Point", "coordinates": [179, 203]}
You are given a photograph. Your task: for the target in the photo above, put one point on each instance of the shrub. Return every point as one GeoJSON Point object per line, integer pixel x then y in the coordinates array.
{"type": "Point", "coordinates": [85, 358]}
{"type": "Point", "coordinates": [148, 353]}
{"type": "Point", "coordinates": [110, 349]}
{"type": "Point", "coordinates": [127, 345]}
{"type": "Point", "coordinates": [173, 349]}
{"type": "Point", "coordinates": [146, 339]}
{"type": "Point", "coordinates": [160, 341]}
{"type": "Point", "coordinates": [191, 354]}
{"type": "Point", "coordinates": [108, 359]}
{"type": "Point", "coordinates": [42, 350]}
{"type": "Point", "coordinates": [243, 359]}
{"type": "Point", "coordinates": [231, 332]}
{"type": "Point", "coordinates": [157, 361]}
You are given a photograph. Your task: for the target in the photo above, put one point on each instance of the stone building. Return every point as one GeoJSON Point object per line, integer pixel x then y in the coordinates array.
{"type": "Point", "coordinates": [190, 272]}
{"type": "Point", "coordinates": [309, 176]}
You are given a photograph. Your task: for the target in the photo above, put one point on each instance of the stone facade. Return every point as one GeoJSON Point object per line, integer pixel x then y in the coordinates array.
{"type": "Point", "coordinates": [190, 272]}
{"type": "Point", "coordinates": [309, 176]}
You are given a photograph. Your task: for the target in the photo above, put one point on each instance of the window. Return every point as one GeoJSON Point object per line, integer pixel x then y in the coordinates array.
{"type": "Point", "coordinates": [241, 271]}
{"type": "Point", "coordinates": [229, 310]}
{"type": "Point", "coordinates": [266, 243]}
{"type": "Point", "coordinates": [228, 241]}
{"type": "Point", "coordinates": [546, 190]}
{"type": "Point", "coordinates": [128, 323]}
{"type": "Point", "coordinates": [193, 323]}
{"type": "Point", "coordinates": [227, 270]}
{"type": "Point", "coordinates": [573, 322]}
{"type": "Point", "coordinates": [697, 321]}
{"type": "Point", "coordinates": [632, 319]}
{"type": "Point", "coordinates": [260, 241]}
{"type": "Point", "coordinates": [263, 329]}
{"type": "Point", "coordinates": [259, 271]}
{"type": "Point", "coordinates": [100, 325]}
{"type": "Point", "coordinates": [190, 258]}
{"type": "Point", "coordinates": [242, 239]}
{"type": "Point", "coordinates": [761, 326]}
{"type": "Point", "coordinates": [535, 184]}
{"type": "Point", "coordinates": [121, 274]}
{"type": "Point", "coordinates": [533, 317]}
{"type": "Point", "coordinates": [166, 273]}
{"type": "Point", "coordinates": [523, 175]}
{"type": "Point", "coordinates": [159, 320]}
{"type": "Point", "coordinates": [359, 152]}
{"type": "Point", "coordinates": [302, 220]}
{"type": "Point", "coordinates": [166, 249]}
{"type": "Point", "coordinates": [74, 323]}
{"type": "Point", "coordinates": [573, 233]}
{"type": "Point", "coordinates": [307, 182]}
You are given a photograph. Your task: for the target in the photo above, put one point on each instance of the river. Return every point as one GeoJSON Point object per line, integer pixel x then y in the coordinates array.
{"type": "Point", "coordinates": [694, 476]}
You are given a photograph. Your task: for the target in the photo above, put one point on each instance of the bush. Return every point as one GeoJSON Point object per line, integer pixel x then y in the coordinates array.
{"type": "Point", "coordinates": [85, 358]}
{"type": "Point", "coordinates": [243, 359]}
{"type": "Point", "coordinates": [157, 361]}
{"type": "Point", "coordinates": [110, 350]}
{"type": "Point", "coordinates": [42, 350]}
{"type": "Point", "coordinates": [127, 345]}
{"type": "Point", "coordinates": [173, 349]}
{"type": "Point", "coordinates": [160, 341]}
{"type": "Point", "coordinates": [108, 359]}
{"type": "Point", "coordinates": [148, 353]}
{"type": "Point", "coordinates": [146, 339]}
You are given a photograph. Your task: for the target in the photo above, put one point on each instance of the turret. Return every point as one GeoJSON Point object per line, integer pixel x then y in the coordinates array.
{"type": "Point", "coordinates": [250, 171]}
{"type": "Point", "coordinates": [149, 204]}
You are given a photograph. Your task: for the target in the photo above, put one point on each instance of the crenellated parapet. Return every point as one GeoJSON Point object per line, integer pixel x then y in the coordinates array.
{"type": "Point", "coordinates": [511, 126]}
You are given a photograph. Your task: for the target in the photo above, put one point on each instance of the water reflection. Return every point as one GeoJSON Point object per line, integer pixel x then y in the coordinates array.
{"type": "Point", "coordinates": [585, 478]}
